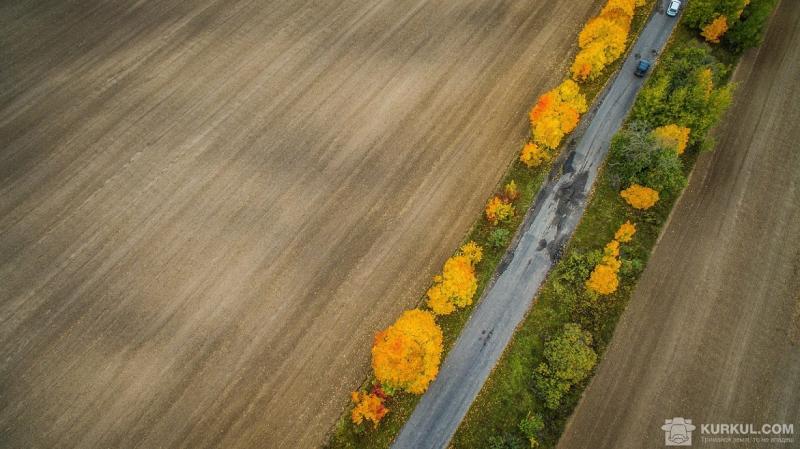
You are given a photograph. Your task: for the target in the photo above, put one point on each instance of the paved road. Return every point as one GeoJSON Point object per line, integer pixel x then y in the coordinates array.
{"type": "Point", "coordinates": [209, 207]}
{"type": "Point", "coordinates": [547, 227]}
{"type": "Point", "coordinates": [712, 332]}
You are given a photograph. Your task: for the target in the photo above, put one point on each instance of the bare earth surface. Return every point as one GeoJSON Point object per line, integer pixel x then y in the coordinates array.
{"type": "Point", "coordinates": [208, 208]}
{"type": "Point", "coordinates": [711, 333]}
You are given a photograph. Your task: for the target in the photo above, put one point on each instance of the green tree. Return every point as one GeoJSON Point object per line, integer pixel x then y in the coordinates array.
{"type": "Point", "coordinates": [637, 158]}
{"type": "Point", "coordinates": [569, 359]}
{"type": "Point", "coordinates": [748, 32]}
{"type": "Point", "coordinates": [530, 426]}
{"type": "Point", "coordinates": [685, 91]}
{"type": "Point", "coordinates": [700, 13]}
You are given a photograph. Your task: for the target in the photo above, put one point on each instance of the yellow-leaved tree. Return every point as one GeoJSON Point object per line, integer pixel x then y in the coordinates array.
{"type": "Point", "coordinates": [557, 113]}
{"type": "Point", "coordinates": [716, 29]}
{"type": "Point", "coordinates": [457, 284]}
{"type": "Point", "coordinates": [406, 355]}
{"type": "Point", "coordinates": [640, 197]}
{"type": "Point", "coordinates": [602, 40]}
{"type": "Point", "coordinates": [604, 279]}
{"type": "Point", "coordinates": [511, 191]}
{"type": "Point", "coordinates": [625, 232]}
{"type": "Point", "coordinates": [672, 136]}
{"type": "Point", "coordinates": [533, 155]}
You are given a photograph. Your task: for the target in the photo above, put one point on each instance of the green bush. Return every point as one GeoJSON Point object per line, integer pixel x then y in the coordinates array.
{"type": "Point", "coordinates": [499, 238]}
{"type": "Point", "coordinates": [748, 32]}
{"type": "Point", "coordinates": [636, 158]}
{"type": "Point", "coordinates": [685, 90]}
{"type": "Point", "coordinates": [569, 359]}
{"type": "Point", "coordinates": [506, 441]}
{"type": "Point", "coordinates": [577, 267]}
{"type": "Point", "coordinates": [530, 426]}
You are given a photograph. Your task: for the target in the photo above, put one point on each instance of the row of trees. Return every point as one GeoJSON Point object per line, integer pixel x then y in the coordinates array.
{"type": "Point", "coordinates": [672, 116]}
{"type": "Point", "coordinates": [406, 355]}
{"type": "Point", "coordinates": [557, 112]}
{"type": "Point", "coordinates": [686, 96]}
{"type": "Point", "coordinates": [738, 24]}
{"type": "Point", "coordinates": [569, 357]}
{"type": "Point", "coordinates": [602, 41]}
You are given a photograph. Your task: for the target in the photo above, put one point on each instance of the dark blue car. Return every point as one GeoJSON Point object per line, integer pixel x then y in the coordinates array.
{"type": "Point", "coordinates": [642, 67]}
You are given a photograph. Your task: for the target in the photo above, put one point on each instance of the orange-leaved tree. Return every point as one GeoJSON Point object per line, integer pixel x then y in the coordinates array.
{"type": "Point", "coordinates": [499, 210]}
{"type": "Point", "coordinates": [640, 197]}
{"type": "Point", "coordinates": [368, 406]}
{"type": "Point", "coordinates": [557, 113]}
{"type": "Point", "coordinates": [603, 280]}
{"type": "Point", "coordinates": [406, 355]}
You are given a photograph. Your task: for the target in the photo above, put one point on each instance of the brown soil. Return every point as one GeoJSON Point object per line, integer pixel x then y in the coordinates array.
{"type": "Point", "coordinates": [208, 208]}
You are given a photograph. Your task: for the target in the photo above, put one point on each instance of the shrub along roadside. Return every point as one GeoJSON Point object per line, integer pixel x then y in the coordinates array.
{"type": "Point", "coordinates": [688, 90]}
{"type": "Point", "coordinates": [494, 240]}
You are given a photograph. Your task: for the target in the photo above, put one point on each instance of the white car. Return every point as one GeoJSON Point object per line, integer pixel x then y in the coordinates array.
{"type": "Point", "coordinates": [674, 7]}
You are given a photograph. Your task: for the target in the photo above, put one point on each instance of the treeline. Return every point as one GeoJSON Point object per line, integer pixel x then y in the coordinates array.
{"type": "Point", "coordinates": [736, 24]}
{"type": "Point", "coordinates": [540, 378]}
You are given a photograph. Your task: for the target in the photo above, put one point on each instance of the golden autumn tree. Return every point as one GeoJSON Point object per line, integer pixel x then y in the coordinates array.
{"type": "Point", "coordinates": [533, 155]}
{"type": "Point", "coordinates": [589, 62]}
{"type": "Point", "coordinates": [456, 286]}
{"type": "Point", "coordinates": [640, 197]}
{"type": "Point", "coordinates": [557, 113]}
{"type": "Point", "coordinates": [625, 232]}
{"type": "Point", "coordinates": [611, 32]}
{"type": "Point", "coordinates": [367, 406]}
{"type": "Point", "coordinates": [603, 280]}
{"type": "Point", "coordinates": [602, 40]}
{"type": "Point", "coordinates": [406, 355]}
{"type": "Point", "coordinates": [472, 251]}
{"type": "Point", "coordinates": [715, 30]}
{"type": "Point", "coordinates": [672, 136]}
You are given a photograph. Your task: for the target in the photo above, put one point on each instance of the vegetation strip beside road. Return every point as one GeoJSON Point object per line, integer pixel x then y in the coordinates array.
{"type": "Point", "coordinates": [511, 410]}
{"type": "Point", "coordinates": [548, 228]}
{"type": "Point", "coordinates": [712, 290]}
{"type": "Point", "coordinates": [528, 181]}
